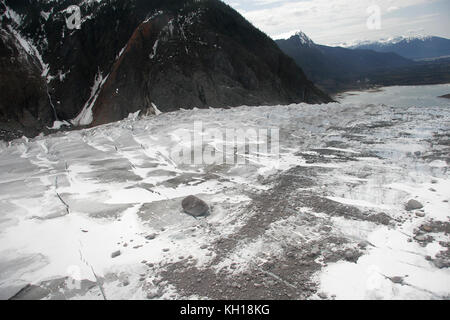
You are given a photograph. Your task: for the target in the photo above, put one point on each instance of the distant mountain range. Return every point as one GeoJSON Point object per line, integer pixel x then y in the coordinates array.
{"type": "Point", "coordinates": [417, 48]}
{"type": "Point", "coordinates": [331, 67]}
{"type": "Point", "coordinates": [338, 69]}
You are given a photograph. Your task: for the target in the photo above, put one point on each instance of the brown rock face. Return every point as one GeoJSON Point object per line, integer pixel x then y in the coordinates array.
{"type": "Point", "coordinates": [126, 89]}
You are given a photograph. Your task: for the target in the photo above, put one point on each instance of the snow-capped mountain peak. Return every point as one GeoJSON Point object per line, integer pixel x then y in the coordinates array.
{"type": "Point", "coordinates": [386, 41]}
{"type": "Point", "coordinates": [411, 47]}
{"type": "Point", "coordinates": [408, 39]}
{"type": "Point", "coordinates": [304, 39]}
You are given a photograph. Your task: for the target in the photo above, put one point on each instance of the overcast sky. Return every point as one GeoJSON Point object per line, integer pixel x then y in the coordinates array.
{"type": "Point", "coordinates": [338, 21]}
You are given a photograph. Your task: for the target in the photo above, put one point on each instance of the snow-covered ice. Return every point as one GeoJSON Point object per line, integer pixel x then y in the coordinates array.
{"type": "Point", "coordinates": [71, 199]}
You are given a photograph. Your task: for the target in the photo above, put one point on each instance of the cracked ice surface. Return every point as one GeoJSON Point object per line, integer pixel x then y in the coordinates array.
{"type": "Point", "coordinates": [71, 199]}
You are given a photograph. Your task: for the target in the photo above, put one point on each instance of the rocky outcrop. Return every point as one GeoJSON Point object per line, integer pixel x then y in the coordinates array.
{"type": "Point", "coordinates": [25, 108]}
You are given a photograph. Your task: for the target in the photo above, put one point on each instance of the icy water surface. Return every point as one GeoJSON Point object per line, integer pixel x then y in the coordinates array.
{"type": "Point", "coordinates": [329, 222]}
{"type": "Point", "coordinates": [403, 96]}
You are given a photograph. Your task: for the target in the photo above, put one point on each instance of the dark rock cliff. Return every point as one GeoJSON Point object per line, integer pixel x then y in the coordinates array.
{"type": "Point", "coordinates": [24, 103]}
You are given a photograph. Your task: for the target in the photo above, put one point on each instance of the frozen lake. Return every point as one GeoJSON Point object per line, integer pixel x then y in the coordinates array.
{"type": "Point", "coordinates": [404, 96]}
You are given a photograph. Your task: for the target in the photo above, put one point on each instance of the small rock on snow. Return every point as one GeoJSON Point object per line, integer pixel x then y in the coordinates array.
{"type": "Point", "coordinates": [151, 236]}
{"type": "Point", "coordinates": [322, 295]}
{"type": "Point", "coordinates": [420, 238]}
{"type": "Point", "coordinates": [351, 255]}
{"type": "Point", "coordinates": [115, 254]}
{"type": "Point", "coordinates": [153, 295]}
{"type": "Point", "coordinates": [398, 280]}
{"type": "Point", "coordinates": [363, 244]}
{"type": "Point", "coordinates": [420, 214]}
{"type": "Point", "coordinates": [413, 205]}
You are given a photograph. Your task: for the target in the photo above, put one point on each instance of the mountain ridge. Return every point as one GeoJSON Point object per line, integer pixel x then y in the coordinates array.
{"type": "Point", "coordinates": [334, 68]}
{"type": "Point", "coordinates": [390, 40]}
{"type": "Point", "coordinates": [411, 47]}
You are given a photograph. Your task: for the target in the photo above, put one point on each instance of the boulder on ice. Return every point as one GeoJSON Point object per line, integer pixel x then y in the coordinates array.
{"type": "Point", "coordinates": [195, 206]}
{"type": "Point", "coordinates": [413, 205]}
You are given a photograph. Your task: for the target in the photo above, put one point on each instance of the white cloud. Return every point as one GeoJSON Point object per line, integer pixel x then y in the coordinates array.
{"type": "Point", "coordinates": [329, 21]}
{"type": "Point", "coordinates": [393, 8]}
